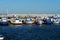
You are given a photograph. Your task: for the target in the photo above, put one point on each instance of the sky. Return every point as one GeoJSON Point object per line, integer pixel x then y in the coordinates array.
{"type": "Point", "coordinates": [30, 6]}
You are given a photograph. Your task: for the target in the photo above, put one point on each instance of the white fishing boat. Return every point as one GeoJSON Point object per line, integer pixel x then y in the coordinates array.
{"type": "Point", "coordinates": [56, 21]}
{"type": "Point", "coordinates": [29, 21]}
{"type": "Point", "coordinates": [39, 20]}
{"type": "Point", "coordinates": [16, 21]}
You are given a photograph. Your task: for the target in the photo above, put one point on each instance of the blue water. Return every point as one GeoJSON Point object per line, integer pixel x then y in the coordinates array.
{"type": "Point", "coordinates": [31, 32]}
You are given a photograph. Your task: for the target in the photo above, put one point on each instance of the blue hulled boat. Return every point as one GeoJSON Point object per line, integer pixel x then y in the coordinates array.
{"type": "Point", "coordinates": [47, 21]}
{"type": "Point", "coordinates": [4, 21]}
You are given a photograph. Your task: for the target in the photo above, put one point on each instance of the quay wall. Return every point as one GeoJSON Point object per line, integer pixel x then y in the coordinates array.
{"type": "Point", "coordinates": [42, 15]}
{"type": "Point", "coordinates": [23, 15]}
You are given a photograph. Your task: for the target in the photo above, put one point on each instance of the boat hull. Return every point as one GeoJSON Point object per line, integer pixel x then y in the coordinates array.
{"type": "Point", "coordinates": [16, 23]}
{"type": "Point", "coordinates": [1, 37]}
{"type": "Point", "coordinates": [29, 22]}
{"type": "Point", "coordinates": [4, 23]}
{"type": "Point", "coordinates": [40, 22]}
{"type": "Point", "coordinates": [55, 22]}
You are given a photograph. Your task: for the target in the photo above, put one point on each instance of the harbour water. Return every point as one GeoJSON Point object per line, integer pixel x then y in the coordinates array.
{"type": "Point", "coordinates": [31, 32]}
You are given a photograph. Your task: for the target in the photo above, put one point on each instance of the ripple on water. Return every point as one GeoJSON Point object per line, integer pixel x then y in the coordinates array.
{"type": "Point", "coordinates": [31, 32]}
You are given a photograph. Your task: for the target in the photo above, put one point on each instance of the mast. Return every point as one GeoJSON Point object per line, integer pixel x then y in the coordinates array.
{"type": "Point", "coordinates": [7, 13]}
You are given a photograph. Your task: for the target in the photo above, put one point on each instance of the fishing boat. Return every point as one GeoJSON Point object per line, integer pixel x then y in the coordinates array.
{"type": "Point", "coordinates": [1, 37]}
{"type": "Point", "coordinates": [47, 21]}
{"type": "Point", "coordinates": [17, 21]}
{"type": "Point", "coordinates": [39, 20]}
{"type": "Point", "coordinates": [56, 21]}
{"type": "Point", "coordinates": [28, 20]}
{"type": "Point", "coordinates": [4, 21]}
